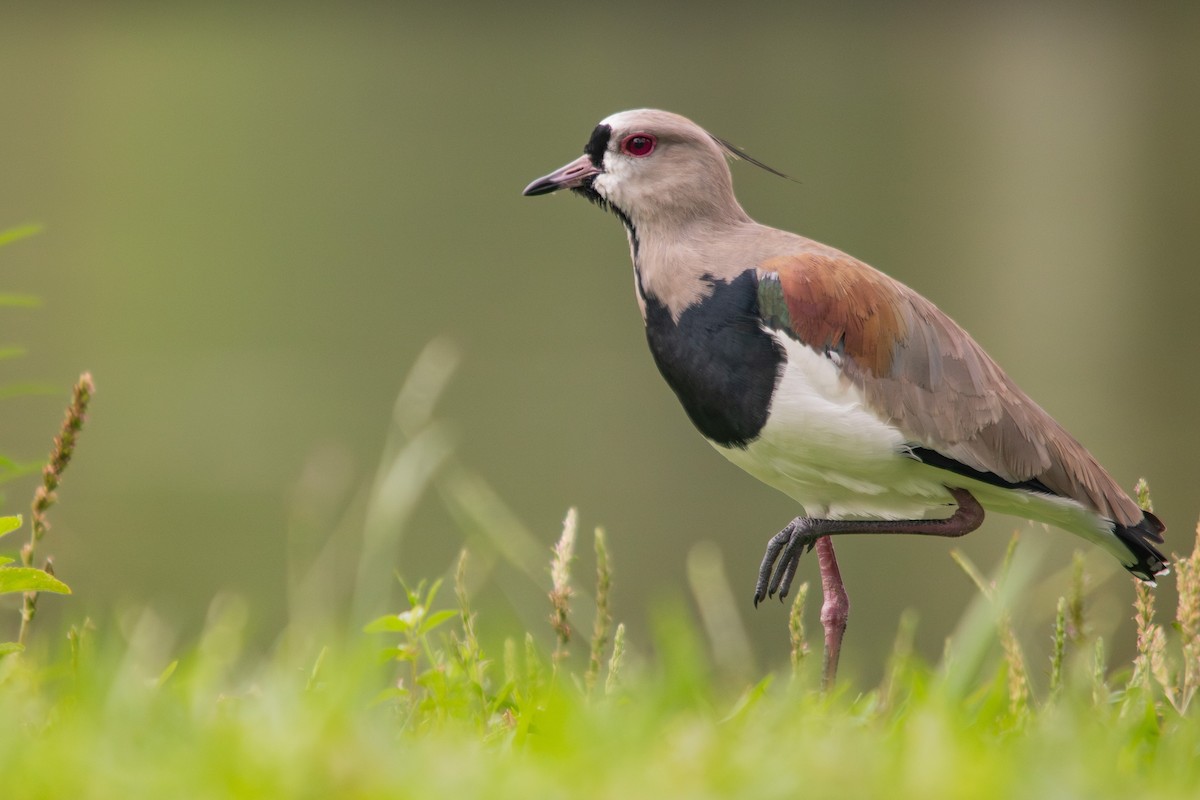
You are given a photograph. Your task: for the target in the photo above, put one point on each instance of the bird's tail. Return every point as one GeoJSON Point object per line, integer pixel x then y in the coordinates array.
{"type": "Point", "coordinates": [1140, 539]}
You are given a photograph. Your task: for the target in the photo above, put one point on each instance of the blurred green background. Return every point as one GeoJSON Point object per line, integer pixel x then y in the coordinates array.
{"type": "Point", "coordinates": [256, 218]}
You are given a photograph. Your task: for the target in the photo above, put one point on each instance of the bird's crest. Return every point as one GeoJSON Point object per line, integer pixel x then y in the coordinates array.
{"type": "Point", "coordinates": [741, 155]}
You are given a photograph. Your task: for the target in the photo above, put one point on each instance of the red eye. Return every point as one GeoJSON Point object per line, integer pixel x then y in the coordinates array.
{"type": "Point", "coordinates": [638, 145]}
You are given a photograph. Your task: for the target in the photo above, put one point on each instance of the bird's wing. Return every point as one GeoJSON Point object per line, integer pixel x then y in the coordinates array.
{"type": "Point", "coordinates": [920, 370]}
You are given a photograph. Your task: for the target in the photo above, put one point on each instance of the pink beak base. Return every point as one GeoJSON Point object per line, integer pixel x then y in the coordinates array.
{"type": "Point", "coordinates": [570, 176]}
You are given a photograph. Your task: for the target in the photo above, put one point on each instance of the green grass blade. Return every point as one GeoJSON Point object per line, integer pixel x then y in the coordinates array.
{"type": "Point", "coordinates": [10, 300]}
{"type": "Point", "coordinates": [16, 234]}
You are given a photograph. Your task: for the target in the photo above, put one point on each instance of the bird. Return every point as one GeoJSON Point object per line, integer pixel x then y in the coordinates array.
{"type": "Point", "coordinates": [827, 379]}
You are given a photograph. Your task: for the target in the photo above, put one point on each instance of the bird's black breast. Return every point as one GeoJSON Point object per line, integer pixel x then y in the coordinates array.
{"type": "Point", "coordinates": [718, 360]}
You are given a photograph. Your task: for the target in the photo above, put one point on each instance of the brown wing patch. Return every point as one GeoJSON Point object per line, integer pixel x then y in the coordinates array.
{"type": "Point", "coordinates": [923, 372]}
{"type": "Point", "coordinates": [842, 304]}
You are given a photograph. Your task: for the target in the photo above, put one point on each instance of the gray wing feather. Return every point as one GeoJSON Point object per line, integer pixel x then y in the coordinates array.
{"type": "Point", "coordinates": [949, 395]}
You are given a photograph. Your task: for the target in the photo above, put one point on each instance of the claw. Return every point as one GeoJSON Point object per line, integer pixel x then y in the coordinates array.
{"type": "Point", "coordinates": [789, 572]}
{"type": "Point", "coordinates": [777, 573]}
{"type": "Point", "coordinates": [799, 542]}
{"type": "Point", "coordinates": [781, 561]}
{"type": "Point", "coordinates": [765, 587]}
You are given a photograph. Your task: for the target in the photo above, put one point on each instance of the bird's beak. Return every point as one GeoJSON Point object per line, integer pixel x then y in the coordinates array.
{"type": "Point", "coordinates": [571, 176]}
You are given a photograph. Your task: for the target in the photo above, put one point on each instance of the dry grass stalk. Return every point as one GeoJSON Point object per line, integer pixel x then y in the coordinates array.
{"type": "Point", "coordinates": [796, 629]}
{"type": "Point", "coordinates": [1060, 647]}
{"type": "Point", "coordinates": [1150, 664]}
{"type": "Point", "coordinates": [617, 661]}
{"type": "Point", "coordinates": [1076, 624]}
{"type": "Point", "coordinates": [1187, 617]}
{"type": "Point", "coordinates": [560, 579]}
{"type": "Point", "coordinates": [603, 624]}
{"type": "Point", "coordinates": [45, 496]}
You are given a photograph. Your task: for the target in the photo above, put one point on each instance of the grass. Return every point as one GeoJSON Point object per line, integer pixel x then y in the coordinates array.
{"type": "Point", "coordinates": [415, 705]}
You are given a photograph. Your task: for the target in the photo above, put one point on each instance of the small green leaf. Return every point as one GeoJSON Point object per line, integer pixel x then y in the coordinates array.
{"type": "Point", "coordinates": [6, 560]}
{"type": "Point", "coordinates": [8, 648]}
{"type": "Point", "coordinates": [397, 623]}
{"type": "Point", "coordinates": [437, 619]}
{"type": "Point", "coordinates": [29, 579]}
{"type": "Point", "coordinates": [433, 590]}
{"type": "Point", "coordinates": [10, 524]}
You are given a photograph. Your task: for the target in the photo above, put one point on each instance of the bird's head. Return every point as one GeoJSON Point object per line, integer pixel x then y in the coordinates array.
{"type": "Point", "coordinates": [652, 168]}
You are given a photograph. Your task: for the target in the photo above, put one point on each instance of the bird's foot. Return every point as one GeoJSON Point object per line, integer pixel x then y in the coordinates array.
{"type": "Point", "coordinates": [782, 558]}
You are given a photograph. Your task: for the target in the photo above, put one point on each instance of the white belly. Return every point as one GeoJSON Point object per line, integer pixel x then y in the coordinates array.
{"type": "Point", "coordinates": [826, 450]}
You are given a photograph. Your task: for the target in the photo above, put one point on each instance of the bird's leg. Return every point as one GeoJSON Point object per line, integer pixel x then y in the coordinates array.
{"type": "Point", "coordinates": [835, 609]}
{"type": "Point", "coordinates": [785, 548]}
{"type": "Point", "coordinates": [801, 534]}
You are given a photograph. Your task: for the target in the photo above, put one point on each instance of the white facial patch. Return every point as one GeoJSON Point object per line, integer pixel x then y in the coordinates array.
{"type": "Point", "coordinates": [608, 183]}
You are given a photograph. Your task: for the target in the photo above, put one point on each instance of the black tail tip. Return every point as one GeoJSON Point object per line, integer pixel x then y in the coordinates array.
{"type": "Point", "coordinates": [1149, 562]}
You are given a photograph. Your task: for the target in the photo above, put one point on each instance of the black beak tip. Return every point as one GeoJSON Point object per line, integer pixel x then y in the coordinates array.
{"type": "Point", "coordinates": [541, 186]}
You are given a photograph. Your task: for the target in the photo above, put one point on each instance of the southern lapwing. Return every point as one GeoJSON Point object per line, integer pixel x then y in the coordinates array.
{"type": "Point", "coordinates": [839, 386]}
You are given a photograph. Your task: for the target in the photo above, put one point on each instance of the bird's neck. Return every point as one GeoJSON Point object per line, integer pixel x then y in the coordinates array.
{"type": "Point", "coordinates": [678, 266]}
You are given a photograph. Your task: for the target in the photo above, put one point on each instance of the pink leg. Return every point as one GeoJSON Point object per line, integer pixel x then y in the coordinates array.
{"type": "Point", "coordinates": [835, 610]}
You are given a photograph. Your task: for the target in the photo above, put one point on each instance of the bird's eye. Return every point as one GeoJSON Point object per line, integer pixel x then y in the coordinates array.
{"type": "Point", "coordinates": [638, 145]}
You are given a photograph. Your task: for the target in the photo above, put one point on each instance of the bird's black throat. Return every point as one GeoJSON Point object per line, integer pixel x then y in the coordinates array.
{"type": "Point", "coordinates": [720, 363]}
